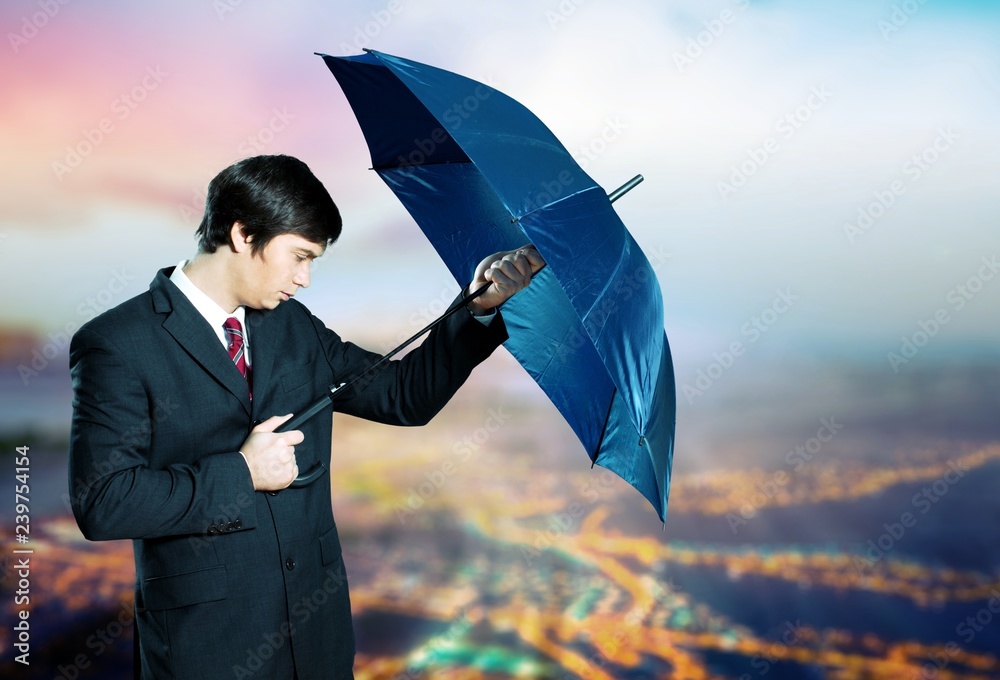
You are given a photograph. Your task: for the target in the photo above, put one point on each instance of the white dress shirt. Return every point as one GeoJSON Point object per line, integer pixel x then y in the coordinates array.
{"type": "Point", "coordinates": [210, 309]}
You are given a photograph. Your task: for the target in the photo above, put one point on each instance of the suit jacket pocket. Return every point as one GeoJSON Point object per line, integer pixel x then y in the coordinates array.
{"type": "Point", "coordinates": [295, 379]}
{"type": "Point", "coordinates": [181, 590]}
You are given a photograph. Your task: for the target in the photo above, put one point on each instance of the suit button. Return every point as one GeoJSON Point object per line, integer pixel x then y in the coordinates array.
{"type": "Point", "coordinates": [238, 524]}
{"type": "Point", "coordinates": [212, 529]}
{"type": "Point", "coordinates": [229, 526]}
{"type": "Point", "coordinates": [272, 493]}
{"type": "Point", "coordinates": [289, 564]}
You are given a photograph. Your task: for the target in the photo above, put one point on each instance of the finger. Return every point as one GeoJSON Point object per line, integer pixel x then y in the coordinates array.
{"type": "Point", "coordinates": [520, 263]}
{"type": "Point", "coordinates": [513, 273]}
{"type": "Point", "coordinates": [488, 262]}
{"type": "Point", "coordinates": [525, 265]}
{"type": "Point", "coordinates": [535, 258]}
{"type": "Point", "coordinates": [293, 437]}
{"type": "Point", "coordinates": [272, 423]}
{"type": "Point", "coordinates": [503, 283]}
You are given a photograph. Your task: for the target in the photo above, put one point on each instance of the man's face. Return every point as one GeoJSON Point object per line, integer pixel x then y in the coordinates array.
{"type": "Point", "coordinates": [278, 271]}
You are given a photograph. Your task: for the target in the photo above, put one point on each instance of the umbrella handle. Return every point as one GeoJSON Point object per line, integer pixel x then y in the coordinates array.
{"type": "Point", "coordinates": [308, 477]}
{"type": "Point", "coordinates": [319, 468]}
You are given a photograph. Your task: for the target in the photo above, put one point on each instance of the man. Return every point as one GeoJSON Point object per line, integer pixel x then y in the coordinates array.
{"type": "Point", "coordinates": [238, 575]}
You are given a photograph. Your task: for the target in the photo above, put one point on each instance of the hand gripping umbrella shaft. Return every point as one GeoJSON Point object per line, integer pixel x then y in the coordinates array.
{"type": "Point", "coordinates": [317, 470]}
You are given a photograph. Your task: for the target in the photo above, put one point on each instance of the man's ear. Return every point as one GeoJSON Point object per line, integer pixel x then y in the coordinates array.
{"type": "Point", "coordinates": [238, 240]}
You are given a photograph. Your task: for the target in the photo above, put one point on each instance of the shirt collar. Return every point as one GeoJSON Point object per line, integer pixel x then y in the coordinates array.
{"type": "Point", "coordinates": [206, 306]}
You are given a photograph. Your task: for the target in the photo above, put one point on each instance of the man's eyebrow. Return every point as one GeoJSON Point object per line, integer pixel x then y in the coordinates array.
{"type": "Point", "coordinates": [309, 253]}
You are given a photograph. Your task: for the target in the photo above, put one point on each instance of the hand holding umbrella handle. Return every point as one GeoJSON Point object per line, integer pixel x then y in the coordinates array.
{"type": "Point", "coordinates": [317, 470]}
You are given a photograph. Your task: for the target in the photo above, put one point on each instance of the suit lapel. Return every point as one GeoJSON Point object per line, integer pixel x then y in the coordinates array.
{"type": "Point", "coordinates": [262, 341]}
{"type": "Point", "coordinates": [192, 332]}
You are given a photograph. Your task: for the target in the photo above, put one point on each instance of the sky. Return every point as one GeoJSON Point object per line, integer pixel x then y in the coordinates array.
{"type": "Point", "coordinates": [841, 157]}
{"type": "Point", "coordinates": [819, 206]}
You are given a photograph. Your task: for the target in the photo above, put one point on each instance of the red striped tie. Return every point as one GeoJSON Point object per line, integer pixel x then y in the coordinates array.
{"type": "Point", "coordinates": [235, 334]}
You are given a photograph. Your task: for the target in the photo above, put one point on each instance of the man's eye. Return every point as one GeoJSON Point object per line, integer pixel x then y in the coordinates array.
{"type": "Point", "coordinates": [300, 258]}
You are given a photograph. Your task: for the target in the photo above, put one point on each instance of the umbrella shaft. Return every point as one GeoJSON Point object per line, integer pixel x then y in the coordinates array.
{"type": "Point", "coordinates": [625, 188]}
{"type": "Point", "coordinates": [370, 372]}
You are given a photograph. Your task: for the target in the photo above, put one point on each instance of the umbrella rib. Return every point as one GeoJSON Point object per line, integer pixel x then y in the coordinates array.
{"type": "Point", "coordinates": [560, 200]}
{"type": "Point", "coordinates": [612, 281]}
{"type": "Point", "coordinates": [604, 429]}
{"type": "Point", "coordinates": [379, 168]}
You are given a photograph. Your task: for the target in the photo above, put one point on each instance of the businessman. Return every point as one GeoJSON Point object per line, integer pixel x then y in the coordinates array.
{"type": "Point", "coordinates": [239, 575]}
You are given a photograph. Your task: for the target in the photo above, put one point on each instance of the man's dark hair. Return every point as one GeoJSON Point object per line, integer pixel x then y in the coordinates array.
{"type": "Point", "coordinates": [269, 196]}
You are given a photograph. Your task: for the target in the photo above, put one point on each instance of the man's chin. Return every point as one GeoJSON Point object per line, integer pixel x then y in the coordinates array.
{"type": "Point", "coordinates": [268, 304]}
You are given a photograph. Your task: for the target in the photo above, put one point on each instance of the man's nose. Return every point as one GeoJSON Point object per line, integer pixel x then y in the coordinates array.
{"type": "Point", "coordinates": [301, 277]}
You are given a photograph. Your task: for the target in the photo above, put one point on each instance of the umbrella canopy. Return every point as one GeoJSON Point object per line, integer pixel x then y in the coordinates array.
{"type": "Point", "coordinates": [480, 173]}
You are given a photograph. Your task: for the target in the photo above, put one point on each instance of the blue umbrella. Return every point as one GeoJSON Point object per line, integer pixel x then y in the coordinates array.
{"type": "Point", "coordinates": [480, 173]}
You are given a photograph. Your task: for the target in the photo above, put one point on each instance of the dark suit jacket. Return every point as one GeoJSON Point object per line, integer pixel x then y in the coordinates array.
{"type": "Point", "coordinates": [231, 583]}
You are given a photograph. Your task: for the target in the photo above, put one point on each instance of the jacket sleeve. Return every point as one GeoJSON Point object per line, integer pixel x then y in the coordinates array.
{"type": "Point", "coordinates": [411, 390]}
{"type": "Point", "coordinates": [114, 493]}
